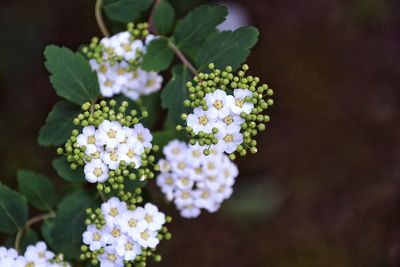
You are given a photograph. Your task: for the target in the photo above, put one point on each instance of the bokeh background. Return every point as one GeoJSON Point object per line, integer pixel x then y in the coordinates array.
{"type": "Point", "coordinates": [323, 189]}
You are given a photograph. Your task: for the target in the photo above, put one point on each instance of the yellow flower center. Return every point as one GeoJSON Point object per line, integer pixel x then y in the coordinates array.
{"type": "Point", "coordinates": [176, 151]}
{"type": "Point", "coordinates": [211, 166]}
{"type": "Point", "coordinates": [181, 165]}
{"type": "Point", "coordinates": [228, 138]}
{"type": "Point", "coordinates": [120, 71]}
{"type": "Point", "coordinates": [144, 235]}
{"type": "Point", "coordinates": [91, 140]}
{"type": "Point", "coordinates": [228, 120]}
{"type": "Point", "coordinates": [185, 181]}
{"type": "Point", "coordinates": [116, 232]}
{"type": "Point", "coordinates": [127, 47]}
{"type": "Point", "coordinates": [96, 237]}
{"type": "Point", "coordinates": [113, 212]}
{"type": "Point", "coordinates": [148, 218]}
{"type": "Point", "coordinates": [132, 223]}
{"type": "Point", "coordinates": [169, 181]}
{"type": "Point", "coordinates": [140, 137]}
{"type": "Point", "coordinates": [198, 170]}
{"type": "Point", "coordinates": [221, 189]}
{"type": "Point", "coordinates": [212, 178]}
{"type": "Point", "coordinates": [218, 104]}
{"type": "Point", "coordinates": [111, 257]}
{"type": "Point", "coordinates": [103, 68]}
{"type": "Point", "coordinates": [131, 153]}
{"type": "Point", "coordinates": [203, 120]}
{"type": "Point", "coordinates": [30, 264]}
{"type": "Point", "coordinates": [239, 102]}
{"type": "Point", "coordinates": [185, 195]}
{"type": "Point", "coordinates": [113, 156]}
{"type": "Point", "coordinates": [42, 255]}
{"type": "Point", "coordinates": [112, 133]}
{"type": "Point", "coordinates": [98, 172]}
{"type": "Point", "coordinates": [96, 155]}
{"type": "Point", "coordinates": [128, 246]}
{"type": "Point", "coordinates": [150, 83]}
{"type": "Point", "coordinates": [108, 83]}
{"type": "Point", "coordinates": [196, 153]}
{"type": "Point", "coordinates": [205, 195]}
{"type": "Point", "coordinates": [227, 173]}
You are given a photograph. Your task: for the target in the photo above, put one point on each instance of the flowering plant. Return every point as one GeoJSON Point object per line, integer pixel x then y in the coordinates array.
{"type": "Point", "coordinates": [112, 136]}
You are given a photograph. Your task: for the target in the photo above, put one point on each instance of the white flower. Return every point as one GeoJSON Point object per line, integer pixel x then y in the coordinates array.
{"type": "Point", "coordinates": [166, 181]}
{"type": "Point", "coordinates": [190, 211]}
{"type": "Point", "coordinates": [183, 198]}
{"type": "Point", "coordinates": [113, 232]}
{"type": "Point", "coordinates": [195, 155]}
{"type": "Point", "coordinates": [237, 102]}
{"type": "Point", "coordinates": [217, 104]}
{"type": "Point", "coordinates": [127, 248]}
{"type": "Point", "coordinates": [130, 154]}
{"type": "Point", "coordinates": [175, 150]}
{"type": "Point", "coordinates": [165, 166]}
{"type": "Point", "coordinates": [38, 253]}
{"type": "Point", "coordinates": [110, 134]}
{"type": "Point", "coordinates": [180, 167]}
{"type": "Point", "coordinates": [112, 209]}
{"type": "Point", "coordinates": [96, 171]}
{"type": "Point", "coordinates": [94, 238]}
{"type": "Point", "coordinates": [204, 198]}
{"type": "Point", "coordinates": [87, 138]}
{"type": "Point", "coordinates": [132, 221]}
{"type": "Point", "coordinates": [229, 137]}
{"type": "Point", "coordinates": [136, 80]}
{"type": "Point", "coordinates": [153, 217]}
{"type": "Point", "coordinates": [126, 48]}
{"type": "Point", "coordinates": [112, 158]}
{"type": "Point", "coordinates": [143, 135]}
{"type": "Point", "coordinates": [232, 119]}
{"type": "Point", "coordinates": [110, 258]}
{"type": "Point", "coordinates": [147, 238]}
{"type": "Point", "coordinates": [201, 120]}
{"type": "Point", "coordinates": [152, 84]}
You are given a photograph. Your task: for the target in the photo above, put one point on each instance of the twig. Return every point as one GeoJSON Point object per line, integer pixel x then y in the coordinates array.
{"type": "Point", "coordinates": [182, 57]}
{"type": "Point", "coordinates": [31, 221]}
{"type": "Point", "coordinates": [100, 20]}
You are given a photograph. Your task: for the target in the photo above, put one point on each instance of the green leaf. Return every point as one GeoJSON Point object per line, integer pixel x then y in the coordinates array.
{"type": "Point", "coordinates": [163, 17]}
{"type": "Point", "coordinates": [194, 29]}
{"type": "Point", "coordinates": [158, 56]}
{"type": "Point", "coordinates": [125, 11]}
{"type": "Point", "coordinates": [58, 126]}
{"type": "Point", "coordinates": [69, 223]}
{"type": "Point", "coordinates": [71, 75]}
{"type": "Point", "coordinates": [13, 210]}
{"type": "Point", "coordinates": [64, 170]}
{"type": "Point", "coordinates": [175, 93]}
{"type": "Point", "coordinates": [38, 190]}
{"type": "Point", "coordinates": [227, 48]}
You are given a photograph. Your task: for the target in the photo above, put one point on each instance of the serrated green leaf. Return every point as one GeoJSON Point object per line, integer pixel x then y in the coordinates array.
{"type": "Point", "coordinates": [125, 11]}
{"type": "Point", "coordinates": [151, 103]}
{"type": "Point", "coordinates": [227, 48]}
{"type": "Point", "coordinates": [64, 170]}
{"type": "Point", "coordinates": [38, 190]}
{"type": "Point", "coordinates": [163, 17]}
{"type": "Point", "coordinates": [71, 75]}
{"type": "Point", "coordinates": [175, 93]}
{"type": "Point", "coordinates": [58, 126]}
{"type": "Point", "coordinates": [69, 223]}
{"type": "Point", "coordinates": [158, 56]}
{"type": "Point", "coordinates": [13, 210]}
{"type": "Point", "coordinates": [194, 29]}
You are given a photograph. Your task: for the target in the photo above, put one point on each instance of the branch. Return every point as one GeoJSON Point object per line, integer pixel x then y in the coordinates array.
{"type": "Point", "coordinates": [100, 20]}
{"type": "Point", "coordinates": [31, 221]}
{"type": "Point", "coordinates": [182, 57]}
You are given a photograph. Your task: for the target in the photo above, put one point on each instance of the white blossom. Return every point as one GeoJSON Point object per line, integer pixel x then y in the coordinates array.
{"type": "Point", "coordinates": [237, 102]}
{"type": "Point", "coordinates": [96, 171]}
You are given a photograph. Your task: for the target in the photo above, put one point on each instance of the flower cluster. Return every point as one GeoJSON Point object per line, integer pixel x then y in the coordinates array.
{"type": "Point", "coordinates": [112, 146]}
{"type": "Point", "coordinates": [227, 110]}
{"type": "Point", "coordinates": [35, 255]}
{"type": "Point", "coordinates": [116, 61]}
{"type": "Point", "coordinates": [119, 234]}
{"type": "Point", "coordinates": [195, 181]}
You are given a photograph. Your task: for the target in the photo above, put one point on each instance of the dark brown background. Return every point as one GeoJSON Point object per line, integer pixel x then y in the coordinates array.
{"type": "Point", "coordinates": [323, 189]}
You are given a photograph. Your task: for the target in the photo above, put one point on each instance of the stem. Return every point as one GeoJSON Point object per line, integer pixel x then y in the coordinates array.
{"type": "Point", "coordinates": [151, 24]}
{"type": "Point", "coordinates": [182, 57]}
{"type": "Point", "coordinates": [31, 221]}
{"type": "Point", "coordinates": [100, 20]}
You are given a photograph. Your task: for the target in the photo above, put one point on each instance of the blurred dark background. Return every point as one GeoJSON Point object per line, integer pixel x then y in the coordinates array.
{"type": "Point", "coordinates": [323, 189]}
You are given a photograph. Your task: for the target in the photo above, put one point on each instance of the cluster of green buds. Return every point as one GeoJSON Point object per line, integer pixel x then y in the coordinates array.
{"type": "Point", "coordinates": [228, 109]}
{"type": "Point", "coordinates": [113, 147]}
{"type": "Point", "coordinates": [125, 46]}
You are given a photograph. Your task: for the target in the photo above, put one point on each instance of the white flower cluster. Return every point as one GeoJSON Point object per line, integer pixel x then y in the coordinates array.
{"type": "Point", "coordinates": [195, 181]}
{"type": "Point", "coordinates": [116, 77]}
{"type": "Point", "coordinates": [110, 144]}
{"type": "Point", "coordinates": [34, 256]}
{"type": "Point", "coordinates": [125, 233]}
{"type": "Point", "coordinates": [223, 113]}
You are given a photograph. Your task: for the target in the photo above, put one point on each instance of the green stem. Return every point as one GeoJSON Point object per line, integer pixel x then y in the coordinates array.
{"type": "Point", "coordinates": [100, 20]}
{"type": "Point", "coordinates": [31, 221]}
{"type": "Point", "coordinates": [182, 57]}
